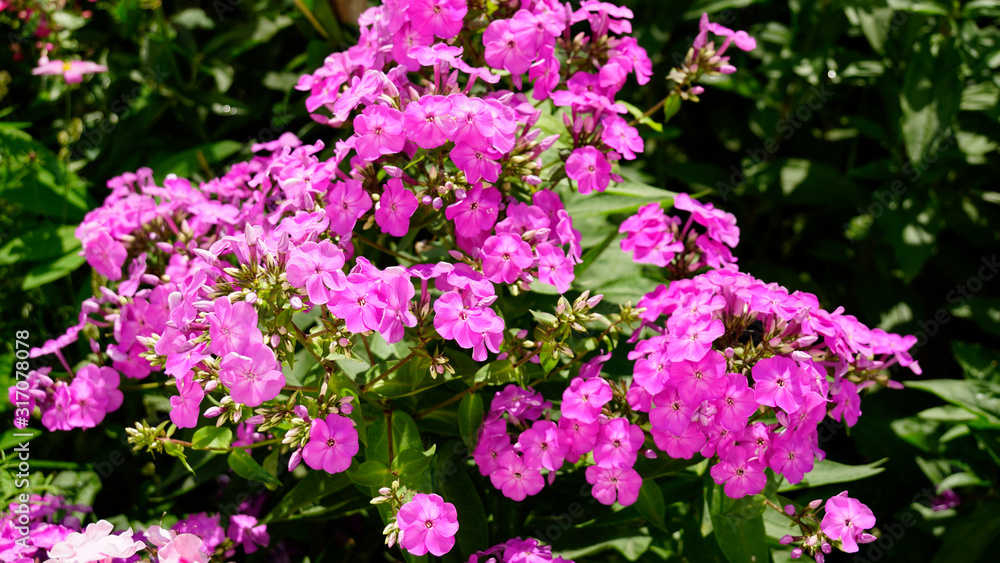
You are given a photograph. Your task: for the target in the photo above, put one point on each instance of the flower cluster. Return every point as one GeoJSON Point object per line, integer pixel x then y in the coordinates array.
{"type": "Point", "coordinates": [657, 238]}
{"type": "Point", "coordinates": [517, 550]}
{"type": "Point", "coordinates": [844, 522]}
{"type": "Point", "coordinates": [733, 352]}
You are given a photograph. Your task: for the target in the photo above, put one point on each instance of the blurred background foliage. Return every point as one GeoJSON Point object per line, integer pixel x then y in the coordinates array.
{"type": "Point", "coordinates": [857, 147]}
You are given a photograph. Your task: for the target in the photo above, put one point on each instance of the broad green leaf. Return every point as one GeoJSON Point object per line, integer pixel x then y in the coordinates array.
{"type": "Point", "coordinates": [828, 472]}
{"type": "Point", "coordinates": [212, 437]}
{"type": "Point", "coordinates": [411, 466]}
{"type": "Point", "coordinates": [50, 241]}
{"type": "Point", "coordinates": [405, 434]}
{"type": "Point", "coordinates": [310, 490]}
{"type": "Point", "coordinates": [174, 449]}
{"type": "Point", "coordinates": [9, 440]}
{"type": "Point", "coordinates": [738, 525]}
{"type": "Point", "coordinates": [980, 397]}
{"type": "Point", "coordinates": [495, 373]}
{"type": "Point", "coordinates": [650, 504]}
{"type": "Point", "coordinates": [52, 270]}
{"type": "Point", "coordinates": [451, 479]}
{"type": "Point", "coordinates": [377, 448]}
{"type": "Point", "coordinates": [470, 417]}
{"type": "Point", "coordinates": [369, 474]}
{"type": "Point", "coordinates": [247, 467]}
{"type": "Point", "coordinates": [929, 99]}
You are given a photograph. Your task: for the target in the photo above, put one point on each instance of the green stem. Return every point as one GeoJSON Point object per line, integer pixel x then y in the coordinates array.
{"type": "Point", "coordinates": [387, 372]}
{"type": "Point", "coordinates": [472, 389]}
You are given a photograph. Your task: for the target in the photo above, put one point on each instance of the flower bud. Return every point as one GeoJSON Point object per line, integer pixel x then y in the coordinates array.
{"type": "Point", "coordinates": [786, 539]}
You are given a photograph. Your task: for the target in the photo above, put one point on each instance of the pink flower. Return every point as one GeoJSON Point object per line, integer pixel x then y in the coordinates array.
{"type": "Point", "coordinates": [791, 456]}
{"type": "Point", "coordinates": [358, 304]}
{"type": "Point", "coordinates": [252, 378]}
{"type": "Point", "coordinates": [379, 131]}
{"type": "Point", "coordinates": [776, 383]}
{"type": "Point", "coordinates": [244, 529]}
{"type": "Point", "coordinates": [577, 437]}
{"type": "Point", "coordinates": [105, 254]}
{"type": "Point", "coordinates": [618, 443]}
{"type": "Point", "coordinates": [609, 483]}
{"type": "Point", "coordinates": [488, 451]}
{"type": "Point", "coordinates": [428, 121]}
{"type": "Point", "coordinates": [512, 44]}
{"type": "Point", "coordinates": [185, 548]}
{"type": "Point", "coordinates": [395, 208]}
{"type": "Point", "coordinates": [622, 137]}
{"type": "Point", "coordinates": [672, 412]}
{"type": "Point", "coordinates": [348, 202]}
{"type": "Point", "coordinates": [477, 212]}
{"type": "Point", "coordinates": [232, 327]}
{"type": "Point", "coordinates": [742, 474]}
{"type": "Point", "coordinates": [737, 403]}
{"type": "Point", "coordinates": [443, 18]}
{"type": "Point", "coordinates": [505, 256]}
{"type": "Point", "coordinates": [846, 520]}
{"type": "Point", "coordinates": [590, 168]}
{"type": "Point", "coordinates": [317, 267]}
{"type": "Point", "coordinates": [427, 523]}
{"type": "Point", "coordinates": [701, 380]}
{"type": "Point", "coordinates": [477, 163]}
{"type": "Point", "coordinates": [693, 338]}
{"type": "Point", "coordinates": [584, 399]}
{"type": "Point", "coordinates": [332, 444]}
{"type": "Point", "coordinates": [71, 71]}
{"type": "Point", "coordinates": [541, 446]}
{"type": "Point", "coordinates": [185, 407]}
{"type": "Point", "coordinates": [554, 268]}
{"type": "Point", "coordinates": [680, 444]}
{"type": "Point", "coordinates": [95, 544]}
{"type": "Point", "coordinates": [514, 478]}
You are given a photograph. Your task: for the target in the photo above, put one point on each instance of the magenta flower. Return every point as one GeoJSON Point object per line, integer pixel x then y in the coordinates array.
{"type": "Point", "coordinates": [428, 121]}
{"type": "Point", "coordinates": [427, 524]}
{"type": "Point", "coordinates": [846, 520]}
{"type": "Point", "coordinates": [736, 405]}
{"type": "Point", "coordinates": [185, 548]}
{"type": "Point", "coordinates": [554, 268]}
{"type": "Point", "coordinates": [514, 478]}
{"type": "Point", "coordinates": [618, 443]}
{"type": "Point", "coordinates": [71, 71]}
{"type": "Point", "coordinates": [477, 212]}
{"type": "Point", "coordinates": [358, 304]}
{"type": "Point", "coordinates": [702, 380]}
{"type": "Point", "coordinates": [332, 444]}
{"type": "Point", "coordinates": [743, 474]}
{"type": "Point", "coordinates": [395, 208]}
{"type": "Point", "coordinates": [478, 163]}
{"type": "Point", "coordinates": [791, 456]}
{"type": "Point", "coordinates": [454, 320]}
{"type": "Point", "coordinates": [252, 378]}
{"type": "Point", "coordinates": [348, 202]}
{"type": "Point", "coordinates": [488, 451]}
{"type": "Point", "coordinates": [692, 339]}
{"type": "Point", "coordinates": [443, 18]}
{"type": "Point", "coordinates": [317, 267]}
{"type": "Point", "coordinates": [541, 446]}
{"type": "Point", "coordinates": [622, 137]}
{"type": "Point", "coordinates": [379, 131]}
{"type": "Point", "coordinates": [244, 529]}
{"type": "Point", "coordinates": [590, 168]}
{"type": "Point", "coordinates": [105, 254]}
{"type": "Point", "coordinates": [577, 437]}
{"type": "Point", "coordinates": [776, 383]}
{"type": "Point", "coordinates": [584, 399]}
{"type": "Point", "coordinates": [511, 44]}
{"type": "Point", "coordinates": [672, 413]}
{"type": "Point", "coordinates": [185, 407]}
{"type": "Point", "coordinates": [610, 483]}
{"type": "Point", "coordinates": [680, 445]}
{"type": "Point", "coordinates": [505, 256]}
{"type": "Point", "coordinates": [232, 327]}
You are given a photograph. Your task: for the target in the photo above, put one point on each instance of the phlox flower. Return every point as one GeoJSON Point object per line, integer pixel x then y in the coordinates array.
{"type": "Point", "coordinates": [701, 380]}
{"type": "Point", "coordinates": [185, 407]}
{"type": "Point", "coordinates": [693, 338]}
{"type": "Point", "coordinates": [590, 168]}
{"type": "Point", "coordinates": [488, 451]}
{"type": "Point", "coordinates": [680, 445]}
{"type": "Point", "coordinates": [514, 478]}
{"type": "Point", "coordinates": [541, 446]}
{"type": "Point", "coordinates": [622, 137]}
{"type": "Point", "coordinates": [477, 212]}
{"type": "Point", "coordinates": [777, 383]}
{"type": "Point", "coordinates": [317, 267]}
{"type": "Point", "coordinates": [379, 131]}
{"type": "Point", "coordinates": [577, 437]}
{"type": "Point", "coordinates": [742, 473]}
{"type": "Point", "coordinates": [792, 456]}
{"type": "Point", "coordinates": [332, 444]}
{"type": "Point", "coordinates": [358, 304]}
{"type": "Point", "coordinates": [232, 327]}
{"type": "Point", "coordinates": [252, 378]}
{"type": "Point", "coordinates": [505, 256]}
{"type": "Point", "coordinates": [185, 548]}
{"type": "Point", "coordinates": [478, 163]}
{"type": "Point", "coordinates": [348, 202]}
{"type": "Point", "coordinates": [395, 208]}
{"type": "Point", "coordinates": [618, 443]}
{"type": "Point", "coordinates": [846, 520]}
{"type": "Point", "coordinates": [105, 254]}
{"type": "Point", "coordinates": [519, 403]}
{"type": "Point", "coordinates": [427, 524]}
{"type": "Point", "coordinates": [95, 544]}
{"type": "Point", "coordinates": [512, 44]}
{"type": "Point", "coordinates": [554, 268]}
{"type": "Point", "coordinates": [584, 399]}
{"type": "Point", "coordinates": [736, 404]}
{"type": "Point", "coordinates": [443, 18]}
{"type": "Point", "coordinates": [672, 413]}
{"type": "Point", "coordinates": [244, 529]}
{"type": "Point", "coordinates": [610, 483]}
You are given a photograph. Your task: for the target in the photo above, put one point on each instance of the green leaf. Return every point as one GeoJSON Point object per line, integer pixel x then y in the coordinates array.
{"type": "Point", "coordinates": [470, 417]}
{"type": "Point", "coordinates": [929, 99]}
{"type": "Point", "coordinates": [495, 373]}
{"type": "Point", "coordinates": [544, 318]}
{"type": "Point", "coordinates": [52, 270]}
{"type": "Point", "coordinates": [405, 434]}
{"type": "Point", "coordinates": [50, 241]}
{"type": "Point", "coordinates": [828, 472]}
{"type": "Point", "coordinates": [650, 504]}
{"type": "Point", "coordinates": [211, 437]}
{"type": "Point", "coordinates": [247, 467]}
{"type": "Point", "coordinates": [369, 474]}
{"type": "Point", "coordinates": [378, 441]}
{"type": "Point", "coordinates": [9, 440]}
{"type": "Point", "coordinates": [411, 466]}
{"type": "Point", "coordinates": [451, 479]}
{"type": "Point", "coordinates": [980, 397]}
{"type": "Point", "coordinates": [738, 525]}
{"type": "Point", "coordinates": [310, 490]}
{"type": "Point", "coordinates": [186, 163]}
{"type": "Point", "coordinates": [671, 106]}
